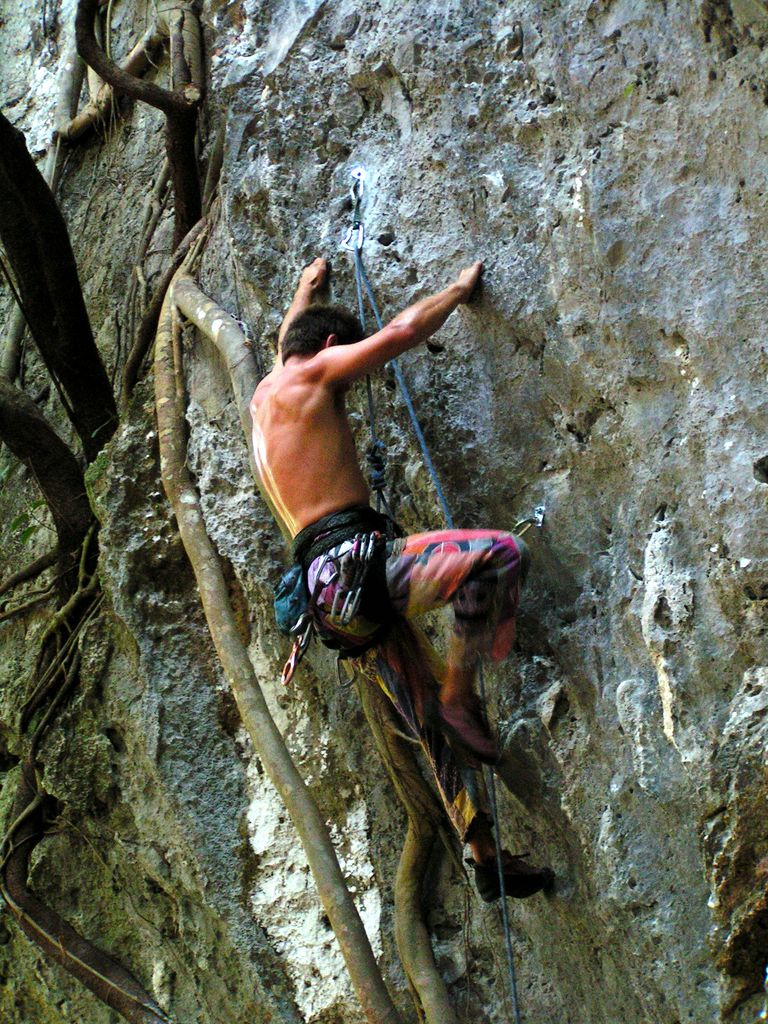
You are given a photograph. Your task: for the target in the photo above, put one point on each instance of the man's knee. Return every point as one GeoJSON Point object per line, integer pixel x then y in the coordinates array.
{"type": "Point", "coordinates": [513, 556]}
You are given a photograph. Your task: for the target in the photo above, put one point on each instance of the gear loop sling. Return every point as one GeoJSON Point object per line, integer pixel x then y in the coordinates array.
{"type": "Point", "coordinates": [353, 242]}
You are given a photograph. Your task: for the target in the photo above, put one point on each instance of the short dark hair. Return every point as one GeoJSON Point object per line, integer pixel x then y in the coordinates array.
{"type": "Point", "coordinates": [308, 331]}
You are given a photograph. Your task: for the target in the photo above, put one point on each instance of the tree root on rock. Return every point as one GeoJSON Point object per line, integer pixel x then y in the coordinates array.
{"type": "Point", "coordinates": [425, 824]}
{"type": "Point", "coordinates": [105, 977]}
{"type": "Point", "coordinates": [268, 743]}
{"type": "Point", "coordinates": [10, 612]}
{"type": "Point", "coordinates": [39, 250]}
{"type": "Point", "coordinates": [29, 572]}
{"type": "Point", "coordinates": [57, 472]}
{"type": "Point", "coordinates": [38, 246]}
{"type": "Point", "coordinates": [146, 331]}
{"type": "Point", "coordinates": [179, 104]}
{"type": "Point", "coordinates": [143, 336]}
{"type": "Point", "coordinates": [101, 104]}
{"type": "Point", "coordinates": [68, 88]}
{"type": "Point", "coordinates": [424, 813]}
{"type": "Point", "coordinates": [56, 674]}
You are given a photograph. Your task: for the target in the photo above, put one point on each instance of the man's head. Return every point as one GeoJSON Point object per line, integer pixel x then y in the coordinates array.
{"type": "Point", "coordinates": [310, 330]}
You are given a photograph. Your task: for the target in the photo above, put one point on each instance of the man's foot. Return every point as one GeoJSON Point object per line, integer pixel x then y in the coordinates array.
{"type": "Point", "coordinates": [464, 727]}
{"type": "Point", "coordinates": [521, 879]}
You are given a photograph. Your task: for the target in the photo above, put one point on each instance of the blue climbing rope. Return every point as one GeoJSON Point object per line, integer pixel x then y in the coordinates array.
{"type": "Point", "coordinates": [376, 454]}
{"type": "Point", "coordinates": [362, 277]}
{"type": "Point", "coordinates": [354, 241]}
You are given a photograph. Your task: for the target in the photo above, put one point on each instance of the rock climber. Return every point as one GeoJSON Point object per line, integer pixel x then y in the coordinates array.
{"type": "Point", "coordinates": [365, 580]}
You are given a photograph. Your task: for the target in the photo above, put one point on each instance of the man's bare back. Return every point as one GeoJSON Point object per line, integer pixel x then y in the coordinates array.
{"type": "Point", "coordinates": [303, 443]}
{"type": "Point", "coordinates": [304, 446]}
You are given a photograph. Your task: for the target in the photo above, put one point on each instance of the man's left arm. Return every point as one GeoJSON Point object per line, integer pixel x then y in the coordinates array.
{"type": "Point", "coordinates": [313, 281]}
{"type": "Point", "coordinates": [342, 363]}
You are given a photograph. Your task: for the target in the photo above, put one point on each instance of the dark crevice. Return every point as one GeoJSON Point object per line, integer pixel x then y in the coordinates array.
{"type": "Point", "coordinates": [662, 614]}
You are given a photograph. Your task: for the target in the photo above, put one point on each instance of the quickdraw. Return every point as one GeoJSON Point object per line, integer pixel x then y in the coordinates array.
{"type": "Point", "coordinates": [355, 237]}
{"type": "Point", "coordinates": [353, 569]}
{"type": "Point", "coordinates": [300, 645]}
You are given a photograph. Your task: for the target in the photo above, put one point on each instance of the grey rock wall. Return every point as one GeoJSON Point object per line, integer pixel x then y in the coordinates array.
{"type": "Point", "coordinates": [608, 163]}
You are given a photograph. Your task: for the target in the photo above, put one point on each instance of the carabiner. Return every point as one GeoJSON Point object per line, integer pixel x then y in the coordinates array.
{"type": "Point", "coordinates": [348, 243]}
{"type": "Point", "coordinates": [355, 237]}
{"type": "Point", "coordinates": [298, 650]}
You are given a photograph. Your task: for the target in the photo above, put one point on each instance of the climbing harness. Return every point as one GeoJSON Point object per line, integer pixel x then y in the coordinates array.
{"type": "Point", "coordinates": [296, 610]}
{"type": "Point", "coordinates": [353, 242]}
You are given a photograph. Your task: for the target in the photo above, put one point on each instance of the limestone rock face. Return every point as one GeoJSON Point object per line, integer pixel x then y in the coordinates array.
{"type": "Point", "coordinates": [608, 163]}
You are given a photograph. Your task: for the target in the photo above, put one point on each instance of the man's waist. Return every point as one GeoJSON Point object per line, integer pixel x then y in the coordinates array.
{"type": "Point", "coordinates": [336, 527]}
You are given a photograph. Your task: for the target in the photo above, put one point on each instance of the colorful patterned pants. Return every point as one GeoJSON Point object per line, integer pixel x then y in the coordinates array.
{"type": "Point", "coordinates": [479, 573]}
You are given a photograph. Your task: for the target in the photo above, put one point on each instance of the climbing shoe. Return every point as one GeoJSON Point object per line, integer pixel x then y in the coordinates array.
{"type": "Point", "coordinates": [521, 879]}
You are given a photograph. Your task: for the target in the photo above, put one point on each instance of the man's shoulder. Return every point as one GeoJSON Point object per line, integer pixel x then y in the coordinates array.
{"type": "Point", "coordinates": [263, 388]}
{"type": "Point", "coordinates": [307, 373]}
{"type": "Point", "coordinates": [291, 387]}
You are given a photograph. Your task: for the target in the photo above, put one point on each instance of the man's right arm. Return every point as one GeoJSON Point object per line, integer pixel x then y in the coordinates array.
{"type": "Point", "coordinates": [417, 323]}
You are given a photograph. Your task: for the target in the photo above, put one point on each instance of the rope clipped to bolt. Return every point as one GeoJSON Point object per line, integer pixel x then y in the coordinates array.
{"type": "Point", "coordinates": [376, 454]}
{"type": "Point", "coordinates": [354, 242]}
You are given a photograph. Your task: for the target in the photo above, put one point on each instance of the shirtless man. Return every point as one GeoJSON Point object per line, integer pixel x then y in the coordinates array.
{"type": "Point", "coordinates": [308, 465]}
